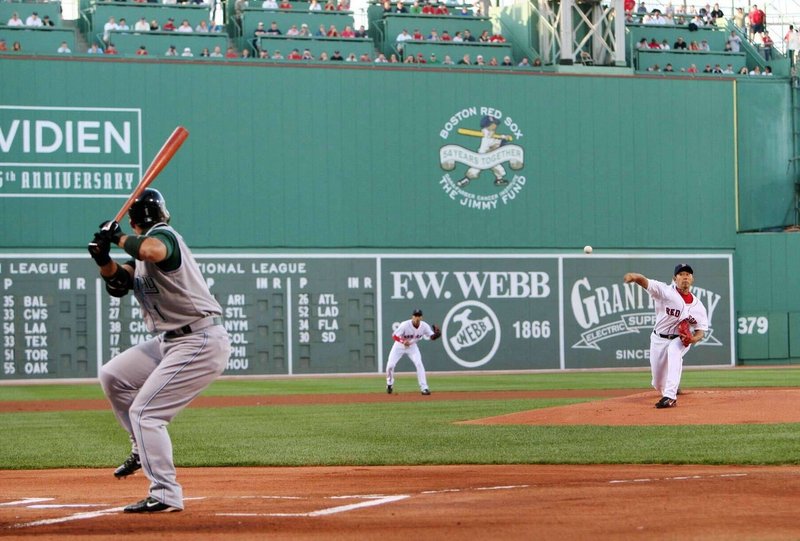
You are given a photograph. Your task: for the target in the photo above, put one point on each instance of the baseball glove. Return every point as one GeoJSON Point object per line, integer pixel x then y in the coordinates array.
{"type": "Point", "coordinates": [685, 332]}
{"type": "Point", "coordinates": [437, 332]}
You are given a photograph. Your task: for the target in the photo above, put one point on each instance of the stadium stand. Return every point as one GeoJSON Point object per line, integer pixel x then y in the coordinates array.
{"type": "Point", "coordinates": [457, 50]}
{"type": "Point", "coordinates": [157, 43]}
{"type": "Point", "coordinates": [39, 40]}
{"type": "Point", "coordinates": [132, 12]}
{"type": "Point", "coordinates": [24, 9]}
{"type": "Point", "coordinates": [345, 46]}
{"type": "Point", "coordinates": [681, 60]}
{"type": "Point", "coordinates": [286, 18]}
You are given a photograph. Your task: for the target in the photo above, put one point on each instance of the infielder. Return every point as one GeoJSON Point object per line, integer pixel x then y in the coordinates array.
{"type": "Point", "coordinates": [674, 303]}
{"type": "Point", "coordinates": [405, 337]}
{"type": "Point", "coordinates": [150, 383]}
{"type": "Point", "coordinates": [489, 142]}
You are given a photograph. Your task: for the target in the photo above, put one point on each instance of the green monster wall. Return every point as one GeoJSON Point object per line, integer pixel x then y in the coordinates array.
{"type": "Point", "coordinates": [364, 159]}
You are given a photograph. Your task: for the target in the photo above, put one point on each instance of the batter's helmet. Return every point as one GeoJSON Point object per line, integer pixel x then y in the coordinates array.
{"type": "Point", "coordinates": [148, 209]}
{"type": "Point", "coordinates": [487, 120]}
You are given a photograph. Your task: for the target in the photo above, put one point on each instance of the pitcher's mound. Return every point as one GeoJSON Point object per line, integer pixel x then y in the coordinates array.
{"type": "Point", "coordinates": [695, 407]}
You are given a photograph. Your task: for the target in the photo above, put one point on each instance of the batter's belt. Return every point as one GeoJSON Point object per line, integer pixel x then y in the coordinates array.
{"type": "Point", "coordinates": [198, 325]}
{"type": "Point", "coordinates": [667, 336]}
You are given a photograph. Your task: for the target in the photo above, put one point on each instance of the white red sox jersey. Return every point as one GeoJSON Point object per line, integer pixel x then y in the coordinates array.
{"type": "Point", "coordinates": [407, 331]}
{"type": "Point", "coordinates": [671, 308]}
{"type": "Point", "coordinates": [172, 299]}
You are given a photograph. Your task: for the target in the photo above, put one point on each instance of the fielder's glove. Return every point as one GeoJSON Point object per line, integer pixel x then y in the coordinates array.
{"type": "Point", "coordinates": [111, 231]}
{"type": "Point", "coordinates": [437, 332]}
{"type": "Point", "coordinates": [684, 332]}
{"type": "Point", "coordinates": [99, 249]}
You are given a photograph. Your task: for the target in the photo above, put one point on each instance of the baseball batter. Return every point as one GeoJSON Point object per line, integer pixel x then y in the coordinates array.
{"type": "Point", "coordinates": [673, 304]}
{"type": "Point", "coordinates": [150, 383]}
{"type": "Point", "coordinates": [405, 337]}
{"type": "Point", "coordinates": [489, 142]}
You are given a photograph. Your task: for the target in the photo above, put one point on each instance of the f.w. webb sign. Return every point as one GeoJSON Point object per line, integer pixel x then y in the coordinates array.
{"type": "Point", "coordinates": [549, 312]}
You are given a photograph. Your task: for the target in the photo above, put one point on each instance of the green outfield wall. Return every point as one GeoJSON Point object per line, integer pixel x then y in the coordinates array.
{"type": "Point", "coordinates": [361, 164]}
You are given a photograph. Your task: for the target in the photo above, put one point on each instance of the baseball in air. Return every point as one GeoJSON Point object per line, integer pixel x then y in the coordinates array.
{"type": "Point", "coordinates": [587, 249]}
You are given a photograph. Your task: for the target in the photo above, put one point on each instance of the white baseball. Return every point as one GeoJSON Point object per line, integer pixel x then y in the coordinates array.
{"type": "Point", "coordinates": [587, 249]}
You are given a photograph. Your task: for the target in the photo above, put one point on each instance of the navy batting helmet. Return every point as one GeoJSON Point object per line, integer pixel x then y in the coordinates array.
{"type": "Point", "coordinates": [148, 209]}
{"type": "Point", "coordinates": [487, 120]}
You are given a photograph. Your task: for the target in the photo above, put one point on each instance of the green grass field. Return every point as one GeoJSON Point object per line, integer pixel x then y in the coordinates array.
{"type": "Point", "coordinates": [401, 433]}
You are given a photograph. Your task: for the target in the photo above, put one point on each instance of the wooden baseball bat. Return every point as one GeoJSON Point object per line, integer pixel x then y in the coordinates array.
{"type": "Point", "coordinates": [158, 164]}
{"type": "Point", "coordinates": [478, 133]}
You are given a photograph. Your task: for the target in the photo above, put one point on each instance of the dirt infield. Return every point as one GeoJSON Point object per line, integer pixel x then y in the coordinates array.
{"type": "Point", "coordinates": [439, 502]}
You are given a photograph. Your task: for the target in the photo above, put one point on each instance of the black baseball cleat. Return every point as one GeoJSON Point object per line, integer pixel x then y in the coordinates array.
{"type": "Point", "coordinates": [666, 402]}
{"type": "Point", "coordinates": [463, 182]}
{"type": "Point", "coordinates": [129, 467]}
{"type": "Point", "coordinates": [389, 389]}
{"type": "Point", "coordinates": [149, 505]}
{"type": "Point", "coordinates": [500, 182]}
{"type": "Point", "coordinates": [426, 392]}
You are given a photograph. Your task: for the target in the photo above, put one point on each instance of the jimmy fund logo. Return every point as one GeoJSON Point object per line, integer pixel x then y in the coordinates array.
{"type": "Point", "coordinates": [487, 142]}
{"type": "Point", "coordinates": [605, 312]}
{"type": "Point", "coordinates": [472, 334]}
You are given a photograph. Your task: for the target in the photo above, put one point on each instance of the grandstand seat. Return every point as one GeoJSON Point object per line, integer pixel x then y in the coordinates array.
{"type": "Point", "coordinates": [24, 9]}
{"type": "Point", "coordinates": [395, 23]}
{"type": "Point", "coordinates": [39, 40]}
{"type": "Point", "coordinates": [286, 18]}
{"type": "Point", "coordinates": [157, 43]}
{"type": "Point", "coordinates": [133, 11]}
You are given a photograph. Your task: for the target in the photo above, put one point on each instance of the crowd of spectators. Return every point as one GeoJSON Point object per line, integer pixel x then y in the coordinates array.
{"type": "Point", "coordinates": [432, 7]}
{"type": "Point", "coordinates": [32, 20]}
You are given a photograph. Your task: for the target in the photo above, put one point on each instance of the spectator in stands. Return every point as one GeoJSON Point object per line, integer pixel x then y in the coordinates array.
{"type": "Point", "coordinates": [263, 54]}
{"type": "Point", "coordinates": [122, 25]}
{"type": "Point", "coordinates": [205, 53]}
{"type": "Point", "coordinates": [169, 26]}
{"type": "Point", "coordinates": [484, 37]}
{"type": "Point", "coordinates": [464, 11]}
{"type": "Point", "coordinates": [364, 58]}
{"type": "Point", "coordinates": [755, 71]}
{"type": "Point", "coordinates": [679, 44]}
{"type": "Point", "coordinates": [314, 5]}
{"type": "Point", "coordinates": [277, 55]}
{"type": "Point", "coordinates": [3, 46]}
{"type": "Point", "coordinates": [735, 42]}
{"type": "Point", "coordinates": [692, 69]}
{"type": "Point", "coordinates": [401, 38]}
{"type": "Point", "coordinates": [507, 61]}
{"type": "Point", "coordinates": [381, 59]}
{"type": "Point", "coordinates": [15, 20]}
{"type": "Point", "coordinates": [465, 60]}
{"type": "Point", "coordinates": [728, 70]}
{"type": "Point", "coordinates": [273, 29]}
{"type": "Point", "coordinates": [446, 36]}
{"type": "Point", "coordinates": [743, 70]}
{"type": "Point", "coordinates": [33, 20]}
{"type": "Point", "coordinates": [468, 37]}
{"type": "Point", "coordinates": [654, 67]}
{"type": "Point", "coordinates": [332, 31]}
{"type": "Point", "coordinates": [695, 23]}
{"type": "Point", "coordinates": [231, 53]}
{"type": "Point", "coordinates": [717, 69]}
{"type": "Point", "coordinates": [307, 54]}
{"type": "Point", "coordinates": [738, 18]}
{"type": "Point", "coordinates": [433, 36]}
{"type": "Point", "coordinates": [655, 45]}
{"type": "Point", "coordinates": [63, 48]}
{"type": "Point", "coordinates": [525, 64]}
{"type": "Point", "coordinates": [285, 4]}
{"type": "Point", "coordinates": [216, 53]}
{"type": "Point", "coordinates": [641, 45]}
{"type": "Point", "coordinates": [387, 7]}
{"type": "Point", "coordinates": [111, 49]}
{"type": "Point", "coordinates": [109, 27]}
{"type": "Point", "coordinates": [767, 71]}
{"type": "Point", "coordinates": [432, 59]}
{"type": "Point", "coordinates": [323, 56]}
{"type": "Point", "coordinates": [16, 47]}
{"type": "Point", "coordinates": [154, 26]}
{"type": "Point", "coordinates": [348, 32]}
{"type": "Point", "coordinates": [47, 22]}
{"type": "Point", "coordinates": [141, 25]}
{"type": "Point", "coordinates": [304, 31]}
{"type": "Point", "coordinates": [321, 31]}
{"type": "Point", "coordinates": [171, 51]}
{"type": "Point", "coordinates": [693, 46]}
{"type": "Point", "coordinates": [707, 69]}
{"type": "Point", "coordinates": [393, 59]}
{"type": "Point", "coordinates": [257, 33]}
{"type": "Point", "coordinates": [187, 51]}
{"type": "Point", "coordinates": [497, 38]}
{"type": "Point", "coordinates": [447, 60]}
{"type": "Point", "coordinates": [269, 4]}
{"type": "Point", "coordinates": [337, 56]}
{"type": "Point", "coordinates": [665, 45]}
{"type": "Point", "coordinates": [492, 62]}
{"type": "Point", "coordinates": [246, 55]}
{"type": "Point", "coordinates": [415, 8]}
{"type": "Point", "coordinates": [704, 46]}
{"type": "Point", "coordinates": [329, 6]}
{"type": "Point", "coordinates": [767, 45]}
{"type": "Point", "coordinates": [757, 20]}
{"type": "Point", "coordinates": [94, 49]}
{"type": "Point", "coordinates": [400, 7]}
{"type": "Point", "coordinates": [293, 31]}
{"type": "Point", "coordinates": [457, 37]}
{"type": "Point", "coordinates": [716, 13]}
{"type": "Point", "coordinates": [185, 27]}
{"type": "Point", "coordinates": [792, 40]}
{"type": "Point", "coordinates": [668, 68]}
{"type": "Point", "coordinates": [294, 55]}
{"type": "Point", "coordinates": [361, 32]}
{"type": "Point", "coordinates": [343, 5]}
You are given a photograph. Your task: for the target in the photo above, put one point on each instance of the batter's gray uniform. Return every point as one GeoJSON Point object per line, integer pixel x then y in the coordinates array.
{"type": "Point", "coordinates": [150, 383]}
